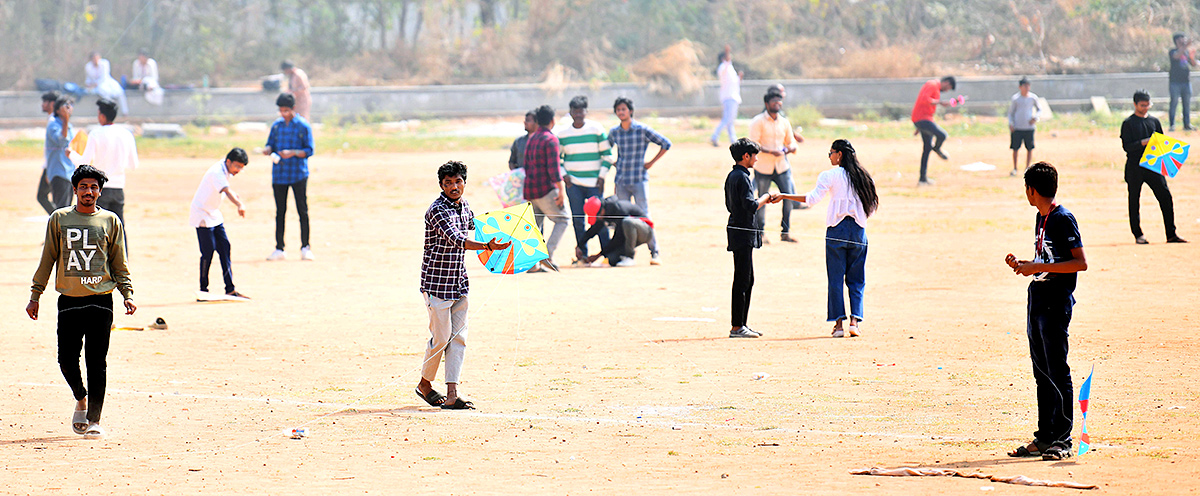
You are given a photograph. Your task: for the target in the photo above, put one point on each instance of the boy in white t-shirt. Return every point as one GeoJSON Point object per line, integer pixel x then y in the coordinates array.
{"type": "Point", "coordinates": [209, 223]}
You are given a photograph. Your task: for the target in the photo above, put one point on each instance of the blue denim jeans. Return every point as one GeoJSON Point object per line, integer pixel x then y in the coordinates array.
{"type": "Point", "coordinates": [1181, 91]}
{"type": "Point", "coordinates": [783, 180]}
{"type": "Point", "coordinates": [729, 110]}
{"type": "Point", "coordinates": [577, 195]}
{"type": "Point", "coordinates": [845, 263]}
{"type": "Point", "coordinates": [637, 194]}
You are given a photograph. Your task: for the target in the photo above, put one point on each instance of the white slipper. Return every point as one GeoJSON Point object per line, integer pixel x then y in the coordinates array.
{"type": "Point", "coordinates": [837, 332]}
{"type": "Point", "coordinates": [852, 331]}
{"type": "Point", "coordinates": [94, 431]}
{"type": "Point", "coordinates": [79, 417]}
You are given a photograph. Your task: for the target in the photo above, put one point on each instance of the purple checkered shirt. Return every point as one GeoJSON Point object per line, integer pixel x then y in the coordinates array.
{"type": "Point", "coordinates": [443, 269]}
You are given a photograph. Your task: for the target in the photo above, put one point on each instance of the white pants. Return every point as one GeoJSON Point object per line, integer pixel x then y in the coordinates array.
{"type": "Point", "coordinates": [448, 325]}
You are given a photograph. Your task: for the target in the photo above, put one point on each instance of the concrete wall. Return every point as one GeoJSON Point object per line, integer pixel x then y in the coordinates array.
{"type": "Point", "coordinates": [834, 97]}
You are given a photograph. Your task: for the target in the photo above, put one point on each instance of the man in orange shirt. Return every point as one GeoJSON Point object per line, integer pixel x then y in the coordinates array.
{"type": "Point", "coordinates": [932, 135]}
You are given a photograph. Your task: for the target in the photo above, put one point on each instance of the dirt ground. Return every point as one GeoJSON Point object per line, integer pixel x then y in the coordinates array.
{"type": "Point", "coordinates": [581, 385]}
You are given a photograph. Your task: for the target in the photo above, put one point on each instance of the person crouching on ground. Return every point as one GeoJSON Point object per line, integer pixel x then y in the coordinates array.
{"type": "Point", "coordinates": [631, 228]}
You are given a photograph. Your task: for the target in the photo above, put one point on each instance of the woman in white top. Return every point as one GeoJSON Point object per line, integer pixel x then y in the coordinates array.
{"type": "Point", "coordinates": [731, 95]}
{"type": "Point", "coordinates": [852, 198]}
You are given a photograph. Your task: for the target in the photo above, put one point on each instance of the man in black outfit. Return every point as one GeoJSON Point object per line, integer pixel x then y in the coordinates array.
{"type": "Point", "coordinates": [744, 232]}
{"type": "Point", "coordinates": [631, 228]}
{"type": "Point", "coordinates": [1135, 133]}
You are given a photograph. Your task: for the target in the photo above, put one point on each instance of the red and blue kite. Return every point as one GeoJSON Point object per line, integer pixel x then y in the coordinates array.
{"type": "Point", "coordinates": [1085, 391]}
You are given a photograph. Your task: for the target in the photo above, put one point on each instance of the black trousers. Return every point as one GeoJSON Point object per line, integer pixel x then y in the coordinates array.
{"type": "Point", "coordinates": [43, 194]}
{"type": "Point", "coordinates": [1135, 176]}
{"type": "Point", "coordinates": [743, 284]}
{"type": "Point", "coordinates": [1049, 318]}
{"type": "Point", "coordinates": [300, 191]}
{"type": "Point", "coordinates": [60, 192]}
{"type": "Point", "coordinates": [84, 323]}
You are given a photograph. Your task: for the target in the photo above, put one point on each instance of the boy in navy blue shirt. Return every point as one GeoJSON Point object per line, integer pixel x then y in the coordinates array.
{"type": "Point", "coordinates": [1058, 256]}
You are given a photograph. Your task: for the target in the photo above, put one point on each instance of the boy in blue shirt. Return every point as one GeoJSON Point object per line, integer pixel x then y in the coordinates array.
{"type": "Point", "coordinates": [1058, 257]}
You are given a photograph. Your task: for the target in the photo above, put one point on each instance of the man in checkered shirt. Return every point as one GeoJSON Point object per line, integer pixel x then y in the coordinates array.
{"type": "Point", "coordinates": [632, 138]}
{"type": "Point", "coordinates": [290, 144]}
{"type": "Point", "coordinates": [444, 285]}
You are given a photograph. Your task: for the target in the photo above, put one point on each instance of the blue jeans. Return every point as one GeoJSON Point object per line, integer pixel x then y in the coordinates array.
{"type": "Point", "coordinates": [762, 183]}
{"type": "Point", "coordinates": [636, 193]}
{"type": "Point", "coordinates": [577, 195]}
{"type": "Point", "coordinates": [729, 110]}
{"type": "Point", "coordinates": [932, 137]}
{"type": "Point", "coordinates": [214, 239]}
{"type": "Point", "coordinates": [1181, 91]}
{"type": "Point", "coordinates": [845, 262]}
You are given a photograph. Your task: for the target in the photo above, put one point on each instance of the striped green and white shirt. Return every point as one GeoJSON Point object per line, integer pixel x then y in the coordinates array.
{"type": "Point", "coordinates": [586, 153]}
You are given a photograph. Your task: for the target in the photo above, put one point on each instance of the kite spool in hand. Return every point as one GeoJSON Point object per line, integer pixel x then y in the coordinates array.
{"type": "Point", "coordinates": [958, 100]}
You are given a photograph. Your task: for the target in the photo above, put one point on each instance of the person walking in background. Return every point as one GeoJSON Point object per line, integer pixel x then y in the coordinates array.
{"type": "Point", "coordinates": [57, 148]}
{"type": "Point", "coordinates": [1135, 134]}
{"type": "Point", "coordinates": [852, 198]}
{"type": "Point", "coordinates": [43, 190]}
{"type": "Point", "coordinates": [85, 248]}
{"type": "Point", "coordinates": [516, 153]}
{"type": "Point", "coordinates": [932, 135]}
{"type": "Point", "coordinates": [206, 217]}
{"type": "Point", "coordinates": [1022, 122]}
{"type": "Point", "coordinates": [99, 81]}
{"type": "Point", "coordinates": [730, 95]}
{"type": "Point", "coordinates": [298, 87]}
{"type": "Point", "coordinates": [773, 133]}
{"type": "Point", "coordinates": [632, 138]}
{"type": "Point", "coordinates": [544, 186]}
{"type": "Point", "coordinates": [111, 149]}
{"type": "Point", "coordinates": [291, 140]}
{"type": "Point", "coordinates": [1182, 59]}
{"type": "Point", "coordinates": [586, 158]}
{"type": "Point", "coordinates": [445, 286]}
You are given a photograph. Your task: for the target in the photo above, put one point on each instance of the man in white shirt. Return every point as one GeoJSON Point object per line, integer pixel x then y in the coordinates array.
{"type": "Point", "coordinates": [210, 224]}
{"type": "Point", "coordinates": [99, 81]}
{"type": "Point", "coordinates": [144, 76]}
{"type": "Point", "coordinates": [772, 131]}
{"type": "Point", "coordinates": [731, 95]}
{"type": "Point", "coordinates": [112, 150]}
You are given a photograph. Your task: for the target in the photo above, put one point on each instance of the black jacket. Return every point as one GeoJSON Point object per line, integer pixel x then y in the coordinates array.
{"type": "Point", "coordinates": [743, 229]}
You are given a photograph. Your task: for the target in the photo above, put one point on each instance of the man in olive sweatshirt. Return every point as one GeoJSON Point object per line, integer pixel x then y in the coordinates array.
{"type": "Point", "coordinates": [85, 247]}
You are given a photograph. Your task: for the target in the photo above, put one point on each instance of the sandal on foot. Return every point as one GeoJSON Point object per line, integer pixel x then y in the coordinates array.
{"type": "Point", "coordinates": [1055, 453]}
{"type": "Point", "coordinates": [838, 332]}
{"type": "Point", "coordinates": [1025, 452]}
{"type": "Point", "coordinates": [434, 398]}
{"type": "Point", "coordinates": [94, 431]}
{"type": "Point", "coordinates": [79, 418]}
{"type": "Point", "coordinates": [459, 404]}
{"type": "Point", "coordinates": [852, 331]}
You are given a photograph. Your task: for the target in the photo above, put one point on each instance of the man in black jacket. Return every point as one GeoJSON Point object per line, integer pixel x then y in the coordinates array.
{"type": "Point", "coordinates": [744, 232]}
{"type": "Point", "coordinates": [1135, 134]}
{"type": "Point", "coordinates": [631, 228]}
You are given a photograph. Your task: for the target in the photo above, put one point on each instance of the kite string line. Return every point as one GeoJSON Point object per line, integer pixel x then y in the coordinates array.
{"type": "Point", "coordinates": [757, 230]}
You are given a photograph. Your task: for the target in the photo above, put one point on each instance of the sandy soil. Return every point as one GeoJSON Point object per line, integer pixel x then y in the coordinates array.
{"type": "Point", "coordinates": [580, 389]}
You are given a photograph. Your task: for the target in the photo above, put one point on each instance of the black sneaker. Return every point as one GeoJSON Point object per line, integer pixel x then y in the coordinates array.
{"type": "Point", "coordinates": [939, 153]}
{"type": "Point", "coordinates": [1176, 239]}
